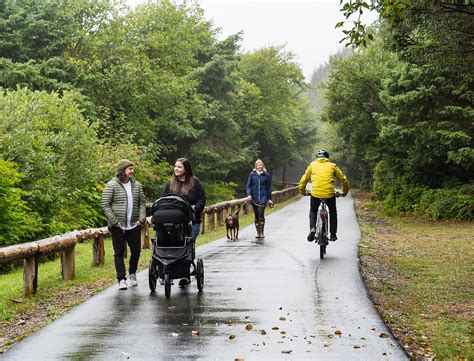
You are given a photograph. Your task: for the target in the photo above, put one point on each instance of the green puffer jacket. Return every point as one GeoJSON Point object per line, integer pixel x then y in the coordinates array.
{"type": "Point", "coordinates": [114, 203]}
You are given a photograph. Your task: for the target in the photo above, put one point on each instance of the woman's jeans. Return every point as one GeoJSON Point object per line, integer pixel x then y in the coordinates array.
{"type": "Point", "coordinates": [194, 233]}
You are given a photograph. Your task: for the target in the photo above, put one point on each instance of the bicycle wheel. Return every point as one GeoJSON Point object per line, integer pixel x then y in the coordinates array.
{"type": "Point", "coordinates": [322, 251]}
{"type": "Point", "coordinates": [322, 239]}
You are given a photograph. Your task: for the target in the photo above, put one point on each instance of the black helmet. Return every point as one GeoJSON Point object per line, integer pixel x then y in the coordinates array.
{"type": "Point", "coordinates": [322, 154]}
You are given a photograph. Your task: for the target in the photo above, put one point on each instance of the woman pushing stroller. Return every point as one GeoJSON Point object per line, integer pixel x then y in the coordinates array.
{"type": "Point", "coordinates": [185, 184]}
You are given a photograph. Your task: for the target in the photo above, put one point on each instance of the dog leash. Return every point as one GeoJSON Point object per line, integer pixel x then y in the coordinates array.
{"type": "Point", "coordinates": [243, 204]}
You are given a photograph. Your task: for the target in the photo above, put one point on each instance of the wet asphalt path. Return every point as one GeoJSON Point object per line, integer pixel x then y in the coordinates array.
{"type": "Point", "coordinates": [294, 302]}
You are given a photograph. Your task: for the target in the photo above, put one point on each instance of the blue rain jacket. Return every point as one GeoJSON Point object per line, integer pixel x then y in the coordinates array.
{"type": "Point", "coordinates": [259, 187]}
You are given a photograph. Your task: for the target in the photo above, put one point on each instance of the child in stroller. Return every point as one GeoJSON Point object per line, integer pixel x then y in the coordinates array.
{"type": "Point", "coordinates": [173, 248]}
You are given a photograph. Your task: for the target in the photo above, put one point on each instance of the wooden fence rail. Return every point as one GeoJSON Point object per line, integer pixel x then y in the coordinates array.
{"type": "Point", "coordinates": [213, 216]}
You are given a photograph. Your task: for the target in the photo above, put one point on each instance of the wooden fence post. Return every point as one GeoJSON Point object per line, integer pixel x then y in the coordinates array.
{"type": "Point", "coordinates": [203, 223]}
{"type": "Point", "coordinates": [248, 207]}
{"type": "Point", "coordinates": [98, 251]}
{"type": "Point", "coordinates": [68, 263]}
{"type": "Point", "coordinates": [210, 219]}
{"type": "Point", "coordinates": [145, 236]}
{"type": "Point", "coordinates": [30, 275]}
{"type": "Point", "coordinates": [220, 216]}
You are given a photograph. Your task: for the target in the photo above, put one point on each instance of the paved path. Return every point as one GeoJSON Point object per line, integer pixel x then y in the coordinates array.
{"type": "Point", "coordinates": [278, 283]}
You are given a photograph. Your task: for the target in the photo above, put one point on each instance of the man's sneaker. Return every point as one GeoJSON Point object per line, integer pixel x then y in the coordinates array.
{"type": "Point", "coordinates": [133, 280]}
{"type": "Point", "coordinates": [123, 285]}
{"type": "Point", "coordinates": [333, 238]}
{"type": "Point", "coordinates": [311, 234]}
{"type": "Point", "coordinates": [183, 282]}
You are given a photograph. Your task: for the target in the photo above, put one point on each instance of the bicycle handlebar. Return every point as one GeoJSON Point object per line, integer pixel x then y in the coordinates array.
{"type": "Point", "coordinates": [337, 194]}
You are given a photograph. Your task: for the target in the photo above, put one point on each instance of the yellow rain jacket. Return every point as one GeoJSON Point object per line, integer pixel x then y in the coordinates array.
{"type": "Point", "coordinates": [321, 173]}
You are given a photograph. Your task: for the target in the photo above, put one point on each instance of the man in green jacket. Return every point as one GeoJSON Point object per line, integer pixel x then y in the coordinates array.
{"type": "Point", "coordinates": [321, 173]}
{"type": "Point", "coordinates": [123, 202]}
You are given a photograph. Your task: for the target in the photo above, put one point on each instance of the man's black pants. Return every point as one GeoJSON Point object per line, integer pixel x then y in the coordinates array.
{"type": "Point", "coordinates": [313, 213]}
{"type": "Point", "coordinates": [120, 239]}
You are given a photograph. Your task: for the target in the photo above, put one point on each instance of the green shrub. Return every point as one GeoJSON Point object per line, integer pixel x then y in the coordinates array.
{"type": "Point", "coordinates": [219, 192]}
{"type": "Point", "coordinates": [17, 222]}
{"type": "Point", "coordinates": [451, 203]}
{"type": "Point", "coordinates": [399, 194]}
{"type": "Point", "coordinates": [57, 151]}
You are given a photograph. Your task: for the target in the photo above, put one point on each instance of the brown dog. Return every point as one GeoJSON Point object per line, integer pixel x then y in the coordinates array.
{"type": "Point", "coordinates": [232, 226]}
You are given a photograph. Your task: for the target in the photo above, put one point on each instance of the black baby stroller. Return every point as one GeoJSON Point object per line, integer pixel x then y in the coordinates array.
{"type": "Point", "coordinates": [173, 248]}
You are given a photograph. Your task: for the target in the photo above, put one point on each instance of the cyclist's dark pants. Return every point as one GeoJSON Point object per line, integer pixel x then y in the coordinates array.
{"type": "Point", "coordinates": [259, 212]}
{"type": "Point", "coordinates": [313, 213]}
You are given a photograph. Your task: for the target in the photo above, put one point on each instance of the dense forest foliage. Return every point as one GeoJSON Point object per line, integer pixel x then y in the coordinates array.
{"type": "Point", "coordinates": [402, 106]}
{"type": "Point", "coordinates": [87, 82]}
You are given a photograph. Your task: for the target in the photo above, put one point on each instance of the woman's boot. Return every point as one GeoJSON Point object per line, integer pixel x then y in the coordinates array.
{"type": "Point", "coordinates": [257, 227]}
{"type": "Point", "coordinates": [262, 226]}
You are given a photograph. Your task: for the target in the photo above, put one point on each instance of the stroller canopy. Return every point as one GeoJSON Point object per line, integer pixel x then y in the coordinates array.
{"type": "Point", "coordinates": [171, 208]}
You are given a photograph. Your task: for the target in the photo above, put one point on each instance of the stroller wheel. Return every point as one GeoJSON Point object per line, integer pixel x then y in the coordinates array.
{"type": "Point", "coordinates": [200, 274]}
{"type": "Point", "coordinates": [167, 280]}
{"type": "Point", "coordinates": [152, 276]}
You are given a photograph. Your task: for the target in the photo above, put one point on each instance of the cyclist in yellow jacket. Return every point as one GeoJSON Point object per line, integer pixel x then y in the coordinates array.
{"type": "Point", "coordinates": [321, 173]}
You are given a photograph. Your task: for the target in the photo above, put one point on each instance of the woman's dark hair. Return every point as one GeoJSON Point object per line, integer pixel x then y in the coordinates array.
{"type": "Point", "coordinates": [188, 180]}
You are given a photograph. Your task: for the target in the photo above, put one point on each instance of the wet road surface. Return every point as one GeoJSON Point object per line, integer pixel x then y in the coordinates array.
{"type": "Point", "coordinates": [295, 303]}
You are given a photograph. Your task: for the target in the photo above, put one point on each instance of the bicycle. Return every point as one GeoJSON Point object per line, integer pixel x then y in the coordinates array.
{"type": "Point", "coordinates": [322, 226]}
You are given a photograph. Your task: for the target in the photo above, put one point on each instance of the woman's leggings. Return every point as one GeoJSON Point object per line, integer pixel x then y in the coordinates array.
{"type": "Point", "coordinates": [259, 212]}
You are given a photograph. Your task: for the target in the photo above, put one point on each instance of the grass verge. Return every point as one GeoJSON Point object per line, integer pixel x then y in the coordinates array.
{"type": "Point", "coordinates": [419, 274]}
{"type": "Point", "coordinates": [21, 316]}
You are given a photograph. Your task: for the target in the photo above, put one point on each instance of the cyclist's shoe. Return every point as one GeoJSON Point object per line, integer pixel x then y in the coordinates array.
{"type": "Point", "coordinates": [311, 234]}
{"type": "Point", "coordinates": [333, 238]}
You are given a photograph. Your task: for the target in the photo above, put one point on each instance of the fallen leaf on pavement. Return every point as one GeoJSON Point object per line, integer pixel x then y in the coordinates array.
{"type": "Point", "coordinates": [231, 337]}
{"type": "Point", "coordinates": [263, 332]}
{"type": "Point", "coordinates": [274, 328]}
{"type": "Point", "coordinates": [338, 332]}
{"type": "Point", "coordinates": [357, 346]}
{"type": "Point", "coordinates": [249, 327]}
{"type": "Point", "coordinates": [239, 289]}
{"type": "Point", "coordinates": [286, 351]}
{"type": "Point", "coordinates": [383, 335]}
{"type": "Point", "coordinates": [282, 318]}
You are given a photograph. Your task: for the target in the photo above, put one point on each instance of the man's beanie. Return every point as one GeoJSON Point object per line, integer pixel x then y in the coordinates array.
{"type": "Point", "coordinates": [123, 164]}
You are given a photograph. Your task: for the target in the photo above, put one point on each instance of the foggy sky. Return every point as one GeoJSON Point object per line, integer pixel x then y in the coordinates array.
{"type": "Point", "coordinates": [305, 27]}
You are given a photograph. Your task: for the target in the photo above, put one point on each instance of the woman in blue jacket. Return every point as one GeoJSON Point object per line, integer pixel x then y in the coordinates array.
{"type": "Point", "coordinates": [259, 187]}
